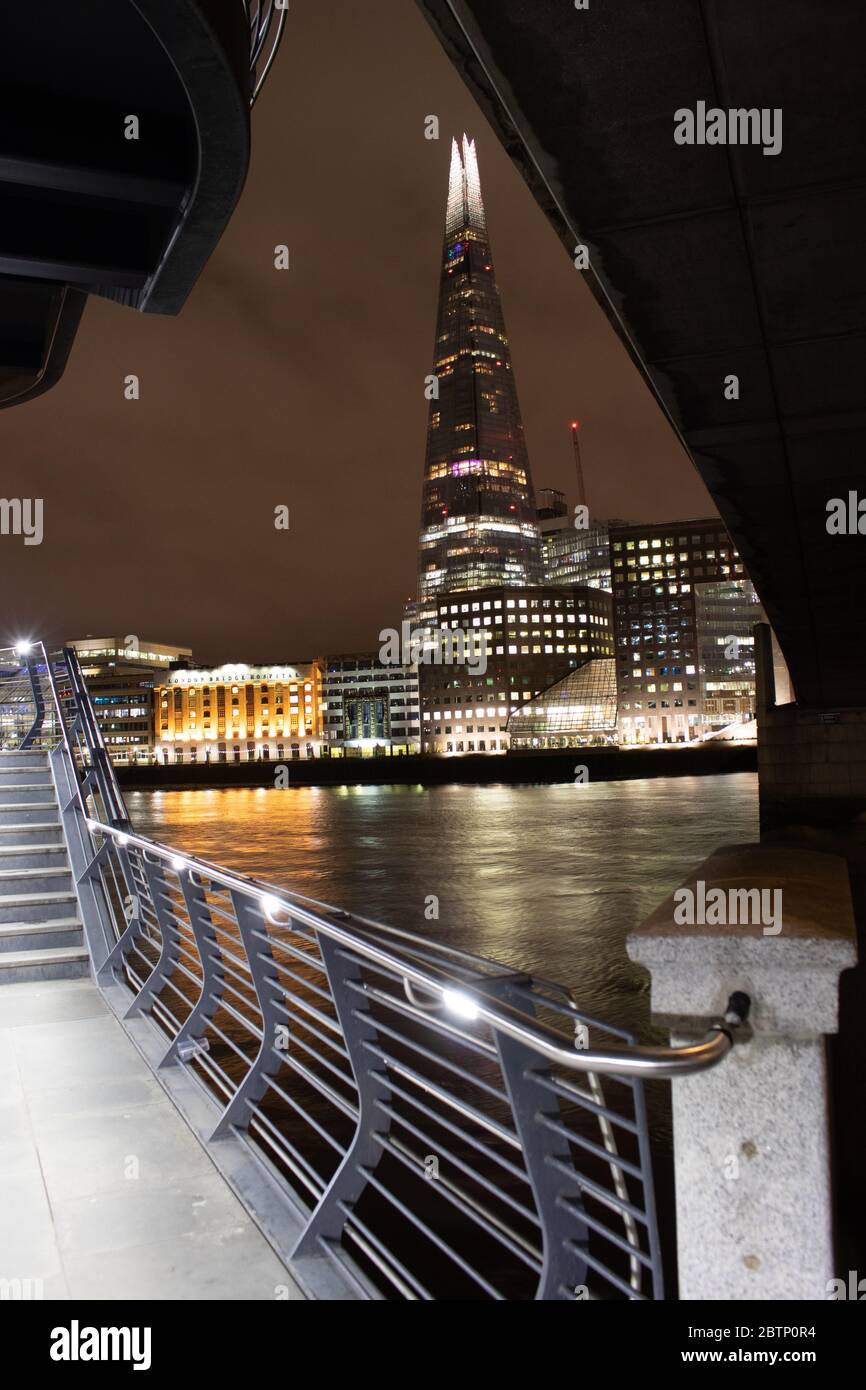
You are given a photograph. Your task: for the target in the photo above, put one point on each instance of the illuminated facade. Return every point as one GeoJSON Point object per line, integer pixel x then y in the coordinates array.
{"type": "Point", "coordinates": [121, 674]}
{"type": "Point", "coordinates": [576, 556]}
{"type": "Point", "coordinates": [654, 570]}
{"type": "Point", "coordinates": [369, 707]}
{"type": "Point", "coordinates": [478, 523]}
{"type": "Point", "coordinates": [576, 711]}
{"type": "Point", "coordinates": [725, 614]}
{"type": "Point", "coordinates": [533, 638]}
{"type": "Point", "coordinates": [240, 713]}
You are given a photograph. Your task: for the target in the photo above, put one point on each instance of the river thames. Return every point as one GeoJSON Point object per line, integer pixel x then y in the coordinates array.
{"type": "Point", "coordinates": [547, 878]}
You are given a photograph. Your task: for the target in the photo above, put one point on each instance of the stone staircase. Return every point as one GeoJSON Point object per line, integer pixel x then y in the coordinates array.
{"type": "Point", "coordinates": [40, 930]}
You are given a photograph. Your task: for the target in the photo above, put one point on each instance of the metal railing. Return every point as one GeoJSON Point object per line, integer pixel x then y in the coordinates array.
{"type": "Point", "coordinates": [412, 1121]}
{"type": "Point", "coordinates": [267, 21]}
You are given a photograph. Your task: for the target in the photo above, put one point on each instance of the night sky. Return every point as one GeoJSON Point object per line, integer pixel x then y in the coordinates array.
{"type": "Point", "coordinates": [306, 387]}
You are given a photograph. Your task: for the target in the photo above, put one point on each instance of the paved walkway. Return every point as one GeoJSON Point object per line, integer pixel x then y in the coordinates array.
{"type": "Point", "coordinates": [104, 1192]}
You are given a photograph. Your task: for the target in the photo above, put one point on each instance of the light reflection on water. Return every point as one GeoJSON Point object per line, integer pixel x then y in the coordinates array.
{"type": "Point", "coordinates": [546, 878]}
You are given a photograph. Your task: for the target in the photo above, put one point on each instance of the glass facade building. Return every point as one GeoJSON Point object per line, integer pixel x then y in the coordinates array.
{"type": "Point", "coordinates": [572, 555]}
{"type": "Point", "coordinates": [580, 709]}
{"type": "Point", "coordinates": [655, 569]}
{"type": "Point", "coordinates": [725, 614]}
{"type": "Point", "coordinates": [530, 640]}
{"type": "Point", "coordinates": [478, 521]}
{"type": "Point", "coordinates": [121, 674]}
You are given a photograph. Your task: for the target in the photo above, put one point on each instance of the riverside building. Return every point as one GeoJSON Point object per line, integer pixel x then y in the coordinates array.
{"type": "Point", "coordinates": [534, 637]}
{"type": "Point", "coordinates": [121, 674]}
{"type": "Point", "coordinates": [369, 707]}
{"type": "Point", "coordinates": [725, 616]}
{"type": "Point", "coordinates": [655, 569]}
{"type": "Point", "coordinates": [239, 713]}
{"type": "Point", "coordinates": [572, 555]}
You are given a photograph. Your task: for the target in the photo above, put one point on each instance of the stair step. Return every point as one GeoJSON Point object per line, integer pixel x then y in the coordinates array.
{"type": "Point", "coordinates": [28, 936]}
{"type": "Point", "coordinates": [34, 880]}
{"type": "Point", "coordinates": [32, 855]}
{"type": "Point", "coordinates": [11, 875]}
{"type": "Point", "coordinates": [36, 847]}
{"type": "Point", "coordinates": [26, 794]}
{"type": "Point", "coordinates": [53, 963]}
{"type": "Point", "coordinates": [24, 832]}
{"type": "Point", "coordinates": [35, 907]}
{"type": "Point", "coordinates": [13, 812]}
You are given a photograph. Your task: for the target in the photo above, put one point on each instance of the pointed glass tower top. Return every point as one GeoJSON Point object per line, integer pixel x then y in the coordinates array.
{"type": "Point", "coordinates": [478, 522]}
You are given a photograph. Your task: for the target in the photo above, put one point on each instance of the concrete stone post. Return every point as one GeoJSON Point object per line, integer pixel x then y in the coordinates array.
{"type": "Point", "coordinates": [752, 1169]}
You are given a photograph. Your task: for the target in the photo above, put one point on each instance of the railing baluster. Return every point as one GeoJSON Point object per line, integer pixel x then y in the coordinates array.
{"type": "Point", "coordinates": [212, 976]}
{"type": "Point", "coordinates": [563, 1236]}
{"type": "Point", "coordinates": [251, 926]}
{"type": "Point", "coordinates": [364, 1152]}
{"type": "Point", "coordinates": [170, 943]}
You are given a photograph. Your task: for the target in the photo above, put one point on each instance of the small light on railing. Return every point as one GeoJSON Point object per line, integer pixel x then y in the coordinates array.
{"type": "Point", "coordinates": [271, 906]}
{"type": "Point", "coordinates": [177, 863]}
{"type": "Point", "coordinates": [122, 839]}
{"type": "Point", "coordinates": [22, 648]}
{"type": "Point", "coordinates": [459, 1003]}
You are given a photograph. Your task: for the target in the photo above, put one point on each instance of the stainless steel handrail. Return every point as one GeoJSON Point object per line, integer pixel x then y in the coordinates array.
{"type": "Point", "coordinates": [636, 1060]}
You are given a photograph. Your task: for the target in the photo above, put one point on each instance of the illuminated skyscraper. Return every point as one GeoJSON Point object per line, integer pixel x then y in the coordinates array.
{"type": "Point", "coordinates": [478, 523]}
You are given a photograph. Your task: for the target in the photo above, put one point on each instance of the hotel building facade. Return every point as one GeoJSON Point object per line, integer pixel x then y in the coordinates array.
{"type": "Point", "coordinates": [240, 713]}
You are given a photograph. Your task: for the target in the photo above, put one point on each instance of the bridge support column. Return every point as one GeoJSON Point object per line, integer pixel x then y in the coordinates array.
{"type": "Point", "coordinates": [751, 1142]}
{"type": "Point", "coordinates": [811, 762]}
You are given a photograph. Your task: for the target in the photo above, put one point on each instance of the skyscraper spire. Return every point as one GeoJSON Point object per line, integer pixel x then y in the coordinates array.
{"type": "Point", "coordinates": [478, 523]}
{"type": "Point", "coordinates": [465, 205]}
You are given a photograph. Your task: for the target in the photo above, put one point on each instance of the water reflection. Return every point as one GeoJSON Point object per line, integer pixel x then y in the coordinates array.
{"type": "Point", "coordinates": [549, 879]}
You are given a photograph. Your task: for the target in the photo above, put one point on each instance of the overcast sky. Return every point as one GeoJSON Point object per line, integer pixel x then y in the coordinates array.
{"type": "Point", "coordinates": [306, 388]}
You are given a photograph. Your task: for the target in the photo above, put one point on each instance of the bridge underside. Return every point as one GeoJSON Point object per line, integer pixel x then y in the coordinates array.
{"type": "Point", "coordinates": [713, 261]}
{"type": "Point", "coordinates": [93, 203]}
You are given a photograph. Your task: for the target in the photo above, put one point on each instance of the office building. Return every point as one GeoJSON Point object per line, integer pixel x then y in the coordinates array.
{"type": "Point", "coordinates": [655, 568]}
{"type": "Point", "coordinates": [725, 614]}
{"type": "Point", "coordinates": [121, 674]}
{"type": "Point", "coordinates": [369, 707]}
{"type": "Point", "coordinates": [524, 641]}
{"type": "Point", "coordinates": [577, 711]}
{"type": "Point", "coordinates": [478, 523]}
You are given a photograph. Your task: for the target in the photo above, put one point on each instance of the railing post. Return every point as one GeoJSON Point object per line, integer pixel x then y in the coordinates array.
{"type": "Point", "coordinates": [364, 1151]}
{"type": "Point", "coordinates": [170, 945]}
{"type": "Point", "coordinates": [251, 925]}
{"type": "Point", "coordinates": [559, 1203]}
{"type": "Point", "coordinates": [212, 974]}
{"type": "Point", "coordinates": [39, 704]}
{"type": "Point", "coordinates": [751, 1143]}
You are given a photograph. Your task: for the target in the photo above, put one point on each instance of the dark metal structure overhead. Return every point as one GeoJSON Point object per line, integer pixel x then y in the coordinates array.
{"type": "Point", "coordinates": [90, 204]}
{"type": "Point", "coordinates": [716, 260]}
